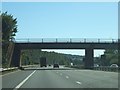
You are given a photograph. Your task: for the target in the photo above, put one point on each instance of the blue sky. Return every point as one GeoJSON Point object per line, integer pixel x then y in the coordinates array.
{"type": "Point", "coordinates": [64, 20]}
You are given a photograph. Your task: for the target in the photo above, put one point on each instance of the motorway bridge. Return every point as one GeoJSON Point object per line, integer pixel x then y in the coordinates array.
{"type": "Point", "coordinates": [88, 44]}
{"type": "Point", "coordinates": [63, 77]}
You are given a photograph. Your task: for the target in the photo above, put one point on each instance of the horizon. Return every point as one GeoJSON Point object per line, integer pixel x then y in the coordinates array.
{"type": "Point", "coordinates": [73, 52]}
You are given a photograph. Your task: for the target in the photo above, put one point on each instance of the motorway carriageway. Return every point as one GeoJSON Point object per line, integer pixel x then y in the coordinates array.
{"type": "Point", "coordinates": [36, 77]}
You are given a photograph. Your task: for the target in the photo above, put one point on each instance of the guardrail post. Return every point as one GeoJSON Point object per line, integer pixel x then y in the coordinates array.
{"type": "Point", "coordinates": [28, 40]}
{"type": "Point", "coordinates": [112, 40]}
{"type": "Point", "coordinates": [85, 40]}
{"type": "Point", "coordinates": [56, 40]}
{"type": "Point", "coordinates": [70, 40]}
{"type": "Point", "coordinates": [98, 40]}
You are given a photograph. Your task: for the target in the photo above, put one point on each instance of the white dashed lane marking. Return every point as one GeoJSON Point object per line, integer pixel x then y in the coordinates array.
{"type": "Point", "coordinates": [78, 82]}
{"type": "Point", "coordinates": [67, 77]}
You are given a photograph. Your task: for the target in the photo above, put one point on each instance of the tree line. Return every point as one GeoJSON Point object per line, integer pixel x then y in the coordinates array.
{"type": "Point", "coordinates": [9, 30]}
{"type": "Point", "coordinates": [33, 57]}
{"type": "Point", "coordinates": [108, 58]}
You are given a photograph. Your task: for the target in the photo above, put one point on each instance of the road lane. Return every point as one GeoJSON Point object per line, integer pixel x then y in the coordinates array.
{"type": "Point", "coordinates": [61, 78]}
{"type": "Point", "coordinates": [93, 79]}
{"type": "Point", "coordinates": [13, 79]}
{"type": "Point", "coordinates": [18, 86]}
{"type": "Point", "coordinates": [49, 79]}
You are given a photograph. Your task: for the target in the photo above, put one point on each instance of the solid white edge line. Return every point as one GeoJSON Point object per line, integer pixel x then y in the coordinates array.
{"type": "Point", "coordinates": [18, 86]}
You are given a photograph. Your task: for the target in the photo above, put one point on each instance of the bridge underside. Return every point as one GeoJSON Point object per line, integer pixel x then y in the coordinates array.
{"type": "Point", "coordinates": [89, 50]}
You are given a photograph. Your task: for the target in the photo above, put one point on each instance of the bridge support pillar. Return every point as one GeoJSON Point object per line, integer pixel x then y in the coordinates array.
{"type": "Point", "coordinates": [15, 62]}
{"type": "Point", "coordinates": [89, 61]}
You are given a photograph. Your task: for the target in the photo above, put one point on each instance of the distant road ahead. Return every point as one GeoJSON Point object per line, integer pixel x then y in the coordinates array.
{"type": "Point", "coordinates": [60, 78]}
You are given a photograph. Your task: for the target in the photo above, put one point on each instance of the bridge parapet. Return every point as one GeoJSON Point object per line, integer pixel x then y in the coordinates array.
{"type": "Point", "coordinates": [65, 40]}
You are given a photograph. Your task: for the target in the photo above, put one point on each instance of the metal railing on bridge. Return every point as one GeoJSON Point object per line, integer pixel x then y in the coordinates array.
{"type": "Point", "coordinates": [65, 40]}
{"type": "Point", "coordinates": [99, 68]}
{"type": "Point", "coordinates": [107, 68]}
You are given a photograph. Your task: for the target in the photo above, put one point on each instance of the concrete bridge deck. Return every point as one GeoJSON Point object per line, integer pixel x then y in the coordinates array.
{"type": "Point", "coordinates": [86, 44]}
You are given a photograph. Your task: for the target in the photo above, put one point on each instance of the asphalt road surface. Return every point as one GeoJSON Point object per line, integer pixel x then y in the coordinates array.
{"type": "Point", "coordinates": [36, 77]}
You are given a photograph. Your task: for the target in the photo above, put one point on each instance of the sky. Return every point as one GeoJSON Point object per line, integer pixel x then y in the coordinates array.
{"type": "Point", "coordinates": [65, 20]}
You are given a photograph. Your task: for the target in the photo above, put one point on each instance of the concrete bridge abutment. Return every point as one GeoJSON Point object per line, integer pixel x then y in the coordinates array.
{"type": "Point", "coordinates": [15, 62]}
{"type": "Point", "coordinates": [89, 58]}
